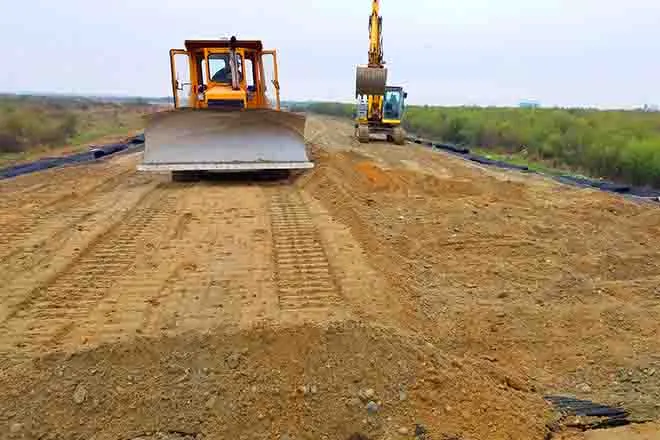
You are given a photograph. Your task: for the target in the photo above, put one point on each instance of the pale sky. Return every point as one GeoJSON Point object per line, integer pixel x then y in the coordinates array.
{"type": "Point", "coordinates": [559, 52]}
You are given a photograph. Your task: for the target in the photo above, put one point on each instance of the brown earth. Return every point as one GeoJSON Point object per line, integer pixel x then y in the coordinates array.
{"type": "Point", "coordinates": [136, 307]}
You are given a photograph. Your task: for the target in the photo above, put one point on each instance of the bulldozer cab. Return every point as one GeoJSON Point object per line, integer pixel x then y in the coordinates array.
{"type": "Point", "coordinates": [226, 115]}
{"type": "Point", "coordinates": [224, 74]}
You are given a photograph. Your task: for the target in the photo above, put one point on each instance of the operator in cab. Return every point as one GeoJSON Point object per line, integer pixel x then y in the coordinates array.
{"type": "Point", "coordinates": [392, 103]}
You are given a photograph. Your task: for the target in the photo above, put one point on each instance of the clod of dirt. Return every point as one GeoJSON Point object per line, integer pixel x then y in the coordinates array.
{"type": "Point", "coordinates": [80, 394]}
{"type": "Point", "coordinates": [233, 360]}
{"type": "Point", "coordinates": [366, 394]}
{"type": "Point", "coordinates": [585, 388]}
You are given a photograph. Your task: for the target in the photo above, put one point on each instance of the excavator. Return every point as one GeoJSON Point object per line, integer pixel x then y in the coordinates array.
{"type": "Point", "coordinates": [226, 116]}
{"type": "Point", "coordinates": [380, 107]}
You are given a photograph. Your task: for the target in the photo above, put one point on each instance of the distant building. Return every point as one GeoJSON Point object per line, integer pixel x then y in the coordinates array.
{"type": "Point", "coordinates": [529, 104]}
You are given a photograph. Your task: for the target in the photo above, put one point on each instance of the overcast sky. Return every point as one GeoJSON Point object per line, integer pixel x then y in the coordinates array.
{"type": "Point", "coordinates": [559, 52]}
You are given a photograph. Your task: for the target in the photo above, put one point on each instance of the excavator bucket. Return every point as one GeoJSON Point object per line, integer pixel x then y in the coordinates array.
{"type": "Point", "coordinates": [370, 81]}
{"type": "Point", "coordinates": [221, 140]}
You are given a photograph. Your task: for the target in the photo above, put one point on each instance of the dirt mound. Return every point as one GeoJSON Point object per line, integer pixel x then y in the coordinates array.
{"type": "Point", "coordinates": [306, 382]}
{"type": "Point", "coordinates": [555, 283]}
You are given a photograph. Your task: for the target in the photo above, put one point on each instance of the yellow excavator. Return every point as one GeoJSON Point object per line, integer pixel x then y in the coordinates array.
{"type": "Point", "coordinates": [226, 116]}
{"type": "Point", "coordinates": [380, 107]}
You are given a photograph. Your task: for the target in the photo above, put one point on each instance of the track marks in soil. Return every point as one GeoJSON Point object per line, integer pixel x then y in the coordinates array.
{"type": "Point", "coordinates": [50, 312]}
{"type": "Point", "coordinates": [215, 271]}
{"type": "Point", "coordinates": [30, 216]}
{"type": "Point", "coordinates": [303, 273]}
{"type": "Point", "coordinates": [62, 240]}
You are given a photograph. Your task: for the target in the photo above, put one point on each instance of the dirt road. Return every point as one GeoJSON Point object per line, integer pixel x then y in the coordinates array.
{"type": "Point", "coordinates": [390, 287]}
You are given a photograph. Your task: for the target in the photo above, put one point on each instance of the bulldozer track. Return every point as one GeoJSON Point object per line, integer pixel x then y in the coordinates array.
{"type": "Point", "coordinates": [47, 315]}
{"type": "Point", "coordinates": [210, 278]}
{"type": "Point", "coordinates": [62, 239]}
{"type": "Point", "coordinates": [303, 273]}
{"type": "Point", "coordinates": [21, 224]}
{"type": "Point", "coordinates": [20, 235]}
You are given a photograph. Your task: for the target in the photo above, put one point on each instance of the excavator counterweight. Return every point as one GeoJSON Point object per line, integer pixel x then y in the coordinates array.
{"type": "Point", "coordinates": [226, 114]}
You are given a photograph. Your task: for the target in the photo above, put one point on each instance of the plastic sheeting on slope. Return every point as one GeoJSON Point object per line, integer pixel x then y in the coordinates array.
{"type": "Point", "coordinates": [582, 182]}
{"type": "Point", "coordinates": [94, 153]}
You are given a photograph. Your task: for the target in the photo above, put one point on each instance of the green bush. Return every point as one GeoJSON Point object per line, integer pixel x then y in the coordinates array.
{"type": "Point", "coordinates": [25, 126]}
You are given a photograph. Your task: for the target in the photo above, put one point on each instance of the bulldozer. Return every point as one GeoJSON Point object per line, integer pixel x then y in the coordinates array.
{"type": "Point", "coordinates": [379, 107]}
{"type": "Point", "coordinates": [227, 115]}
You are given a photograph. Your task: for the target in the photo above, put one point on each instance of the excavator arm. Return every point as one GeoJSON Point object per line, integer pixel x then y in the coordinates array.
{"type": "Point", "coordinates": [371, 79]}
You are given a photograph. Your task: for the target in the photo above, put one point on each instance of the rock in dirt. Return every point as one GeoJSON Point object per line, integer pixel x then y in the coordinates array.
{"type": "Point", "coordinates": [211, 402]}
{"type": "Point", "coordinates": [233, 360]}
{"type": "Point", "coordinates": [372, 407]}
{"type": "Point", "coordinates": [15, 428]}
{"type": "Point", "coordinates": [516, 383]}
{"type": "Point", "coordinates": [585, 388]}
{"type": "Point", "coordinates": [367, 394]}
{"type": "Point", "coordinates": [80, 394]}
{"type": "Point", "coordinates": [420, 432]}
{"type": "Point", "coordinates": [403, 430]}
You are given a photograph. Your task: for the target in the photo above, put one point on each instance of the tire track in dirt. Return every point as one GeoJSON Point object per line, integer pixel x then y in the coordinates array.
{"type": "Point", "coordinates": [303, 273]}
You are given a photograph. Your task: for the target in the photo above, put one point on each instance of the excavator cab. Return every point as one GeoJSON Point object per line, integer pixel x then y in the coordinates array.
{"type": "Point", "coordinates": [393, 104]}
{"type": "Point", "coordinates": [226, 114]}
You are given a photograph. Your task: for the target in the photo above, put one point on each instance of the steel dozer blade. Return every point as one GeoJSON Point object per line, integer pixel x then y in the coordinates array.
{"type": "Point", "coordinates": [220, 140]}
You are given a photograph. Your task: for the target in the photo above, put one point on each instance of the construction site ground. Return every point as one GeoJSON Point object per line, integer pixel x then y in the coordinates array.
{"type": "Point", "coordinates": [393, 291]}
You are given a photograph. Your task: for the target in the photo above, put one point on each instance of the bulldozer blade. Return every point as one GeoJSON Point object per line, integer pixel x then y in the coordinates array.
{"type": "Point", "coordinates": [215, 140]}
{"type": "Point", "coordinates": [370, 81]}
